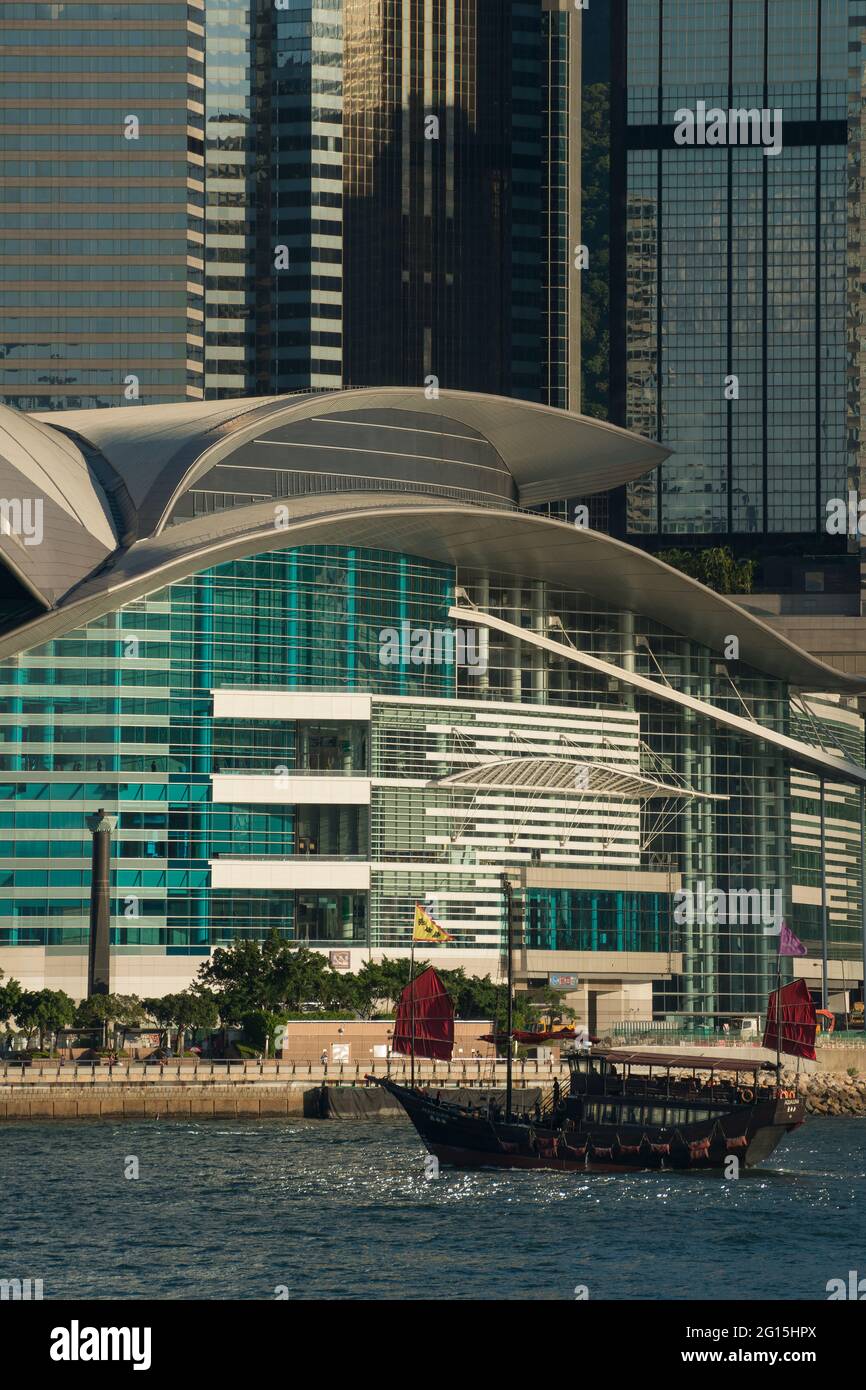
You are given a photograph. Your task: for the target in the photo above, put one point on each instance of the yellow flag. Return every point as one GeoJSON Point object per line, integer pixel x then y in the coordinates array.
{"type": "Point", "coordinates": [426, 929]}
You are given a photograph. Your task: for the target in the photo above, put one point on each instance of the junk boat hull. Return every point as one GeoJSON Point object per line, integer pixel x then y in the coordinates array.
{"type": "Point", "coordinates": [594, 1130]}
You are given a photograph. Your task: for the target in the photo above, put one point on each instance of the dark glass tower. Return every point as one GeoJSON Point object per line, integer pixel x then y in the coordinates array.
{"type": "Point", "coordinates": [427, 196]}
{"type": "Point", "coordinates": [729, 263]}
{"type": "Point", "coordinates": [417, 159]}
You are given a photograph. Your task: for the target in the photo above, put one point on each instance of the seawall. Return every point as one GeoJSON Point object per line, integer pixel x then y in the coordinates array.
{"type": "Point", "coordinates": [824, 1094]}
{"type": "Point", "coordinates": [123, 1102]}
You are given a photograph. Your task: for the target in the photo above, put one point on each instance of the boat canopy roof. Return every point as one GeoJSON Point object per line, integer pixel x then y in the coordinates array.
{"type": "Point", "coordinates": [682, 1061]}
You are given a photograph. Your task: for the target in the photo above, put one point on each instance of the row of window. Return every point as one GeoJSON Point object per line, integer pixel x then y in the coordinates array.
{"type": "Point", "coordinates": [665, 1116]}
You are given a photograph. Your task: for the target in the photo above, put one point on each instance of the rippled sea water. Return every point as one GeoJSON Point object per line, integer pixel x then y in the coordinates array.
{"type": "Point", "coordinates": [343, 1210]}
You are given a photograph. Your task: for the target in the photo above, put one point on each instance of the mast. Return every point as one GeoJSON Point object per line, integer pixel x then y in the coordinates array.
{"type": "Point", "coordinates": [412, 1004]}
{"type": "Point", "coordinates": [509, 976]}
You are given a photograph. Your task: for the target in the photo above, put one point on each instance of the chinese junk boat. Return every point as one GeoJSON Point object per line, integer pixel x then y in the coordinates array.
{"type": "Point", "coordinates": [624, 1110]}
{"type": "Point", "coordinates": [631, 1109]}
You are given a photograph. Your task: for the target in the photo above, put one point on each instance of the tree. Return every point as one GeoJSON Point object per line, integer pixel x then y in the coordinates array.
{"type": "Point", "coordinates": [473, 996]}
{"type": "Point", "coordinates": [553, 1007]}
{"type": "Point", "coordinates": [275, 976]}
{"type": "Point", "coordinates": [190, 1008]}
{"type": "Point", "coordinates": [110, 1010]}
{"type": "Point", "coordinates": [44, 1011]}
{"type": "Point", "coordinates": [378, 982]}
{"type": "Point", "coordinates": [10, 994]}
{"type": "Point", "coordinates": [260, 1028]}
{"type": "Point", "coordinates": [715, 567]}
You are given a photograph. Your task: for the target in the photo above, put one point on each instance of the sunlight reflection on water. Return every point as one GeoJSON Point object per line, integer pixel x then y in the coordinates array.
{"type": "Point", "coordinates": [344, 1210]}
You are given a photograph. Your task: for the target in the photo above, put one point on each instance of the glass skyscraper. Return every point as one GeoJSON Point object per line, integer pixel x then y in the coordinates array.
{"type": "Point", "coordinates": [230, 213]}
{"type": "Point", "coordinates": [730, 279]}
{"type": "Point", "coordinates": [102, 166]}
{"type": "Point", "coordinates": [326, 193]}
{"type": "Point", "coordinates": [418, 181]}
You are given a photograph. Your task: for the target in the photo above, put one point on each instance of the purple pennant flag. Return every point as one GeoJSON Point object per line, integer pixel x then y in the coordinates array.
{"type": "Point", "coordinates": [789, 944]}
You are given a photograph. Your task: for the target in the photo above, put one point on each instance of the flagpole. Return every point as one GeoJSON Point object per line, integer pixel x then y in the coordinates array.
{"type": "Point", "coordinates": [779, 1013]}
{"type": "Point", "coordinates": [825, 949]}
{"type": "Point", "coordinates": [509, 1006]}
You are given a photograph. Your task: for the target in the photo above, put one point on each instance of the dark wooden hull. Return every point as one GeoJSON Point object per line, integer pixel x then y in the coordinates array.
{"type": "Point", "coordinates": [460, 1140]}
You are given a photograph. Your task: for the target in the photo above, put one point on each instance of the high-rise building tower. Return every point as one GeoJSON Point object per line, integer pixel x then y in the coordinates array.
{"type": "Point", "coordinates": [417, 203]}
{"type": "Point", "coordinates": [352, 191]}
{"type": "Point", "coordinates": [102, 171]}
{"type": "Point", "coordinates": [729, 279]}
{"type": "Point", "coordinates": [230, 214]}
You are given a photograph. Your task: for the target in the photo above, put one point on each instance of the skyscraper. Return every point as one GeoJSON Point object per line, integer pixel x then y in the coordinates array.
{"type": "Point", "coordinates": [729, 280]}
{"type": "Point", "coordinates": [335, 192]}
{"type": "Point", "coordinates": [101, 160]}
{"type": "Point", "coordinates": [420, 198]}
{"type": "Point", "coordinates": [230, 213]}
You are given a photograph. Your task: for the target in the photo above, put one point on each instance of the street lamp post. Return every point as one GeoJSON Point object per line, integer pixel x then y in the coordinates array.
{"type": "Point", "coordinates": [101, 827]}
{"type": "Point", "coordinates": [509, 884]}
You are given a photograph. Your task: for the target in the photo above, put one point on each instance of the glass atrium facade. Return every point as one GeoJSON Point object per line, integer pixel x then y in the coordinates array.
{"type": "Point", "coordinates": [129, 713]}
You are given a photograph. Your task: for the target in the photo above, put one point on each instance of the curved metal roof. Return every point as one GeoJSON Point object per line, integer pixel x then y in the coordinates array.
{"type": "Point", "coordinates": [100, 473]}
{"type": "Point", "coordinates": [519, 543]}
{"type": "Point", "coordinates": [161, 450]}
{"type": "Point", "coordinates": [45, 474]}
{"type": "Point", "coordinates": [108, 479]}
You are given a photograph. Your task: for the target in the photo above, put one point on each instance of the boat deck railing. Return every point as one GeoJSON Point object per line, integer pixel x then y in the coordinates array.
{"type": "Point", "coordinates": [643, 1088]}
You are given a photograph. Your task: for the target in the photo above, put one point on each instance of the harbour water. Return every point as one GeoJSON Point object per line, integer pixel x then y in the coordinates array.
{"type": "Point", "coordinates": [343, 1210]}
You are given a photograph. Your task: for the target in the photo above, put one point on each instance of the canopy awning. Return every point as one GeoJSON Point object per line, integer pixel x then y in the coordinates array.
{"type": "Point", "coordinates": [565, 776]}
{"type": "Point", "coordinates": [627, 1057]}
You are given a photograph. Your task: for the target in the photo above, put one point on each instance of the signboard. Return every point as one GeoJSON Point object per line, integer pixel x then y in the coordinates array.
{"type": "Point", "coordinates": [339, 1052]}
{"type": "Point", "coordinates": [340, 960]}
{"type": "Point", "coordinates": [563, 981]}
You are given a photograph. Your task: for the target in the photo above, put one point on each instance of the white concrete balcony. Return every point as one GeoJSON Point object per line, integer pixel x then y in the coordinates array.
{"type": "Point", "coordinates": [290, 789]}
{"type": "Point", "coordinates": [301, 871]}
{"type": "Point", "coordinates": [286, 704]}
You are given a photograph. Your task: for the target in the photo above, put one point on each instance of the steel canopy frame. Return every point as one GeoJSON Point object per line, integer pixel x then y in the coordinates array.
{"type": "Point", "coordinates": [801, 754]}
{"type": "Point", "coordinates": [581, 779]}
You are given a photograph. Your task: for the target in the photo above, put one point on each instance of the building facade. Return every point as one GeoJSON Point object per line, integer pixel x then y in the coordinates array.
{"type": "Point", "coordinates": [289, 196]}
{"type": "Point", "coordinates": [314, 698]}
{"type": "Point", "coordinates": [418, 179]}
{"type": "Point", "coordinates": [734, 279]}
{"type": "Point", "coordinates": [102, 171]}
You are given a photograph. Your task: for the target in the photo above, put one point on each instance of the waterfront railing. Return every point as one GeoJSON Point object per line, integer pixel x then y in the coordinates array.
{"type": "Point", "coordinates": [468, 1073]}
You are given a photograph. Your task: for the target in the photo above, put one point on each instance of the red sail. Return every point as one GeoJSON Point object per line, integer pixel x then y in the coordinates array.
{"type": "Point", "coordinates": [799, 1021]}
{"type": "Point", "coordinates": [434, 1018]}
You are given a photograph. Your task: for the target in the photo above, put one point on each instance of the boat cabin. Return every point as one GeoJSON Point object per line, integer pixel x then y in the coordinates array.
{"type": "Point", "coordinates": [620, 1077]}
